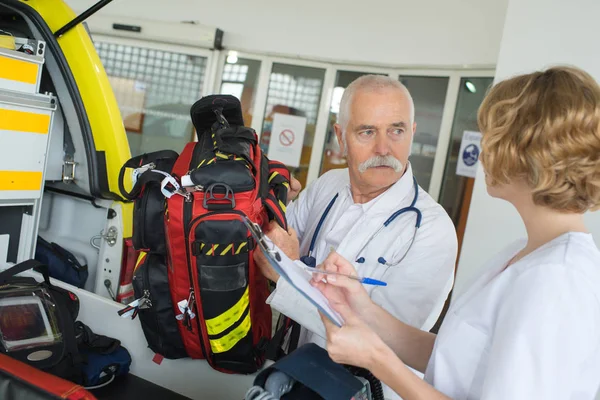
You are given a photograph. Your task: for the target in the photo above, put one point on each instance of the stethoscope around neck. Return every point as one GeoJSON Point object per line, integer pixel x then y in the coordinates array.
{"type": "Point", "coordinates": [310, 260]}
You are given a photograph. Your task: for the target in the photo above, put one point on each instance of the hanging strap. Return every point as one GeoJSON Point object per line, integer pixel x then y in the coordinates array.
{"type": "Point", "coordinates": [25, 266]}
{"type": "Point", "coordinates": [275, 201]}
{"type": "Point", "coordinates": [275, 349]}
{"type": "Point", "coordinates": [139, 161]}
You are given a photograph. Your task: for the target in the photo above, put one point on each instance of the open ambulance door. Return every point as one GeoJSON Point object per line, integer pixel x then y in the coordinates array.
{"type": "Point", "coordinates": [82, 210]}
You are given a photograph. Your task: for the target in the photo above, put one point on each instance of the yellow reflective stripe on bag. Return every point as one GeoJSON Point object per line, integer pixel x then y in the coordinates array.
{"type": "Point", "coordinates": [220, 323]}
{"type": "Point", "coordinates": [225, 343]}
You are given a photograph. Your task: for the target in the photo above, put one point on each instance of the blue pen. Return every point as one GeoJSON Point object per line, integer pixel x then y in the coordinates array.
{"type": "Point", "coordinates": [366, 281]}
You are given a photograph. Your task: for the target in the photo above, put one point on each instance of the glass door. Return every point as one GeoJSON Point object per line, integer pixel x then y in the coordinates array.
{"type": "Point", "coordinates": [240, 79]}
{"type": "Point", "coordinates": [292, 107]}
{"type": "Point", "coordinates": [429, 96]}
{"type": "Point", "coordinates": [456, 190]}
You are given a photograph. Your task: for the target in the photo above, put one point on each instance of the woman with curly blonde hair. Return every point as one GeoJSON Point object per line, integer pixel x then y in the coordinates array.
{"type": "Point", "coordinates": [529, 326]}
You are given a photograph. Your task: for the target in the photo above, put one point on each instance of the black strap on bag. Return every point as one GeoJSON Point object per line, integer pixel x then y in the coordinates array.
{"type": "Point", "coordinates": [276, 199]}
{"type": "Point", "coordinates": [226, 138]}
{"type": "Point", "coordinates": [138, 161]}
{"type": "Point", "coordinates": [98, 343]}
{"type": "Point", "coordinates": [26, 266]}
{"type": "Point", "coordinates": [275, 350]}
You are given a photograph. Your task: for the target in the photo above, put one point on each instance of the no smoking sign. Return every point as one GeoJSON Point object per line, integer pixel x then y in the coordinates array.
{"type": "Point", "coordinates": [286, 137]}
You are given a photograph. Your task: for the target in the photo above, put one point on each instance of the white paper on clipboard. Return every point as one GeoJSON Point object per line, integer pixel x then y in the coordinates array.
{"type": "Point", "coordinates": [293, 272]}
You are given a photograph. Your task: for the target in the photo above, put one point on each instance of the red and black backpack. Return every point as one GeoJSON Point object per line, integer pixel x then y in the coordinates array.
{"type": "Point", "coordinates": [217, 294]}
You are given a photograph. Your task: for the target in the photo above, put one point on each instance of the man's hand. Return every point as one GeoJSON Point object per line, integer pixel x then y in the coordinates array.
{"type": "Point", "coordinates": [295, 188]}
{"type": "Point", "coordinates": [341, 290]}
{"type": "Point", "coordinates": [287, 241]}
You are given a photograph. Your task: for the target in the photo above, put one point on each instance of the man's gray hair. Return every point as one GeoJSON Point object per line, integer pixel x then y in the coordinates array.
{"type": "Point", "coordinates": [370, 83]}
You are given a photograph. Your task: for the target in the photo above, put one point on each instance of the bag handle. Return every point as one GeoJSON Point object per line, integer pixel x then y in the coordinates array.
{"type": "Point", "coordinates": [25, 266]}
{"type": "Point", "coordinates": [279, 184]}
{"type": "Point", "coordinates": [136, 162]}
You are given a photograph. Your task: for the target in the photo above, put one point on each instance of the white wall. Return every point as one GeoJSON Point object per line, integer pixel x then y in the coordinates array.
{"type": "Point", "coordinates": [537, 33]}
{"type": "Point", "coordinates": [394, 32]}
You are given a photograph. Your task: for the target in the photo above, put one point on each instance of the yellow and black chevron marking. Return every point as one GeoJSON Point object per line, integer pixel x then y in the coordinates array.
{"type": "Point", "coordinates": [221, 156]}
{"type": "Point", "coordinates": [219, 249]}
{"type": "Point", "coordinates": [211, 249]}
{"type": "Point", "coordinates": [221, 323]}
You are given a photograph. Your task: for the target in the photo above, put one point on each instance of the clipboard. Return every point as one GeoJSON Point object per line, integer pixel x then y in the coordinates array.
{"type": "Point", "coordinates": [294, 274]}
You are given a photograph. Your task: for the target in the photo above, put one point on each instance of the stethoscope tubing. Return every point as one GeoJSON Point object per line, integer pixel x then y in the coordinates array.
{"type": "Point", "coordinates": [309, 257]}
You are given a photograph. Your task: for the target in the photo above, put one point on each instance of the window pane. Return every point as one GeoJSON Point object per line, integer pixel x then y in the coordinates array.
{"type": "Point", "coordinates": [155, 90]}
{"type": "Point", "coordinates": [454, 187]}
{"type": "Point", "coordinates": [234, 89]}
{"type": "Point", "coordinates": [294, 90]}
{"type": "Point", "coordinates": [241, 80]}
{"type": "Point", "coordinates": [429, 96]}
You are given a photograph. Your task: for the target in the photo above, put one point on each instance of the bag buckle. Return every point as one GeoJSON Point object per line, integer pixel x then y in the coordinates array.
{"type": "Point", "coordinates": [135, 174]}
{"type": "Point", "coordinates": [209, 196]}
{"type": "Point", "coordinates": [169, 186]}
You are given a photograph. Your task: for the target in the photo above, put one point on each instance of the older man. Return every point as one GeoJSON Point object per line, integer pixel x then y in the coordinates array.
{"type": "Point", "coordinates": [372, 213]}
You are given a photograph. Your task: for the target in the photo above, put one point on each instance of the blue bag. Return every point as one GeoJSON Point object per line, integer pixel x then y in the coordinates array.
{"type": "Point", "coordinates": [308, 373]}
{"type": "Point", "coordinates": [104, 358]}
{"type": "Point", "coordinates": [101, 369]}
{"type": "Point", "coordinates": [62, 264]}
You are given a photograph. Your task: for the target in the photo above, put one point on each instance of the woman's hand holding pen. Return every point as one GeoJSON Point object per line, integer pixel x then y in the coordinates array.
{"type": "Point", "coordinates": [354, 343]}
{"type": "Point", "coordinates": [340, 289]}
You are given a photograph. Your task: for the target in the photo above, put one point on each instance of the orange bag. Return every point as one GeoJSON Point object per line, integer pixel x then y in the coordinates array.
{"type": "Point", "coordinates": [33, 384]}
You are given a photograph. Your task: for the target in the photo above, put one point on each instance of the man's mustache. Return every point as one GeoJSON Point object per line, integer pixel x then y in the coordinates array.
{"type": "Point", "coordinates": [381, 161]}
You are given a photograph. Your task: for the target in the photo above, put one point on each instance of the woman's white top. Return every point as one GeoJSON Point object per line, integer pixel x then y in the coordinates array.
{"type": "Point", "coordinates": [530, 331]}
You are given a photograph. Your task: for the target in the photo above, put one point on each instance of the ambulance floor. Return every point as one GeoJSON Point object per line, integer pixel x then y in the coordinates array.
{"type": "Point", "coordinates": [131, 387]}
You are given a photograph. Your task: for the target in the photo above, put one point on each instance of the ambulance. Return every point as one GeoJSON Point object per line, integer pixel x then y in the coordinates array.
{"type": "Point", "coordinates": [69, 196]}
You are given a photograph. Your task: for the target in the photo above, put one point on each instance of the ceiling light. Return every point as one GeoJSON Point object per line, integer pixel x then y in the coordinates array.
{"type": "Point", "coordinates": [470, 86]}
{"type": "Point", "coordinates": [232, 57]}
